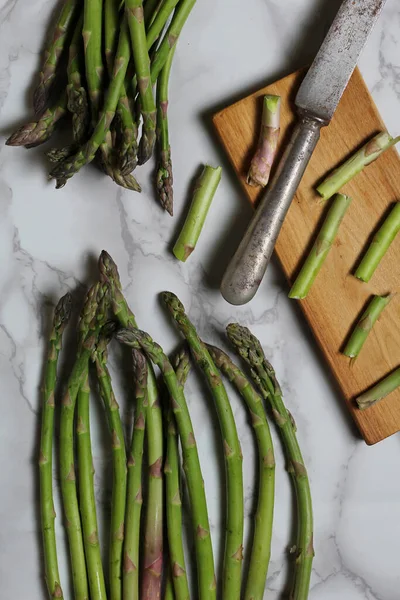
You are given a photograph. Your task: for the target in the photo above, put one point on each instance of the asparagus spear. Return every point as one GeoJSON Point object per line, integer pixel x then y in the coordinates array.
{"type": "Point", "coordinates": [379, 245]}
{"type": "Point", "coordinates": [119, 468]}
{"type": "Point", "coordinates": [356, 163]}
{"type": "Point", "coordinates": [263, 159]}
{"type": "Point", "coordinates": [52, 55]}
{"type": "Point", "coordinates": [169, 589]}
{"type": "Point", "coordinates": [91, 33]}
{"type": "Point", "coordinates": [233, 454]}
{"type": "Point", "coordinates": [38, 132]}
{"type": "Point", "coordinates": [173, 496]}
{"type": "Point", "coordinates": [249, 348]}
{"type": "Point", "coordinates": [92, 319]}
{"type": "Point", "coordinates": [134, 501]}
{"type": "Point", "coordinates": [61, 317]}
{"type": "Point", "coordinates": [321, 247]}
{"type": "Point", "coordinates": [151, 7]}
{"type": "Point", "coordinates": [261, 549]}
{"type": "Point", "coordinates": [76, 94]}
{"type": "Point", "coordinates": [86, 493]}
{"type": "Point", "coordinates": [164, 178]}
{"type": "Point", "coordinates": [191, 463]}
{"type": "Point", "coordinates": [67, 168]}
{"type": "Point", "coordinates": [365, 324]}
{"type": "Point", "coordinates": [153, 536]}
{"type": "Point", "coordinates": [203, 195]}
{"type": "Point", "coordinates": [379, 391]}
{"type": "Point", "coordinates": [171, 37]}
{"type": "Point", "coordinates": [134, 12]}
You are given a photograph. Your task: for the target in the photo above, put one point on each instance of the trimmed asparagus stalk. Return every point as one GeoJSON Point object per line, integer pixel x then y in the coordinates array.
{"type": "Point", "coordinates": [232, 451]}
{"type": "Point", "coordinates": [171, 37]}
{"type": "Point", "coordinates": [52, 55]}
{"type": "Point", "coordinates": [153, 548]}
{"type": "Point", "coordinates": [379, 245]}
{"type": "Point", "coordinates": [87, 500]}
{"type": "Point", "coordinates": [119, 469]}
{"type": "Point", "coordinates": [356, 163]}
{"type": "Point", "coordinates": [379, 391]}
{"type": "Point", "coordinates": [321, 247]}
{"type": "Point", "coordinates": [365, 324]}
{"type": "Point", "coordinates": [38, 132]}
{"type": "Point", "coordinates": [134, 499]}
{"type": "Point", "coordinates": [204, 193]}
{"type": "Point", "coordinates": [264, 157]}
{"type": "Point", "coordinates": [261, 548]}
{"type": "Point", "coordinates": [164, 178]}
{"type": "Point", "coordinates": [61, 317]}
{"type": "Point", "coordinates": [191, 463]}
{"type": "Point", "coordinates": [249, 348]}
{"type": "Point", "coordinates": [92, 319]}
{"type": "Point", "coordinates": [134, 12]}
{"type": "Point", "coordinates": [173, 495]}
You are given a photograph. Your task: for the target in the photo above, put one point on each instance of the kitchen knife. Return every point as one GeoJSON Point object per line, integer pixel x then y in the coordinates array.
{"type": "Point", "coordinates": [316, 102]}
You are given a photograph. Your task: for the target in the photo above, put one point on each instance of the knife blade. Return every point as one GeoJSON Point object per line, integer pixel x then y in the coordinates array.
{"type": "Point", "coordinates": [316, 102]}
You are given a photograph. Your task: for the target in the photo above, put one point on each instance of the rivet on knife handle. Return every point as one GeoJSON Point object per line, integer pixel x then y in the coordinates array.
{"type": "Point", "coordinates": [316, 102]}
{"type": "Point", "coordinates": [248, 265]}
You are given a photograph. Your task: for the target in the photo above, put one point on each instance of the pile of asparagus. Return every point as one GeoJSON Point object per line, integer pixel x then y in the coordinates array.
{"type": "Point", "coordinates": [142, 563]}
{"type": "Point", "coordinates": [100, 66]}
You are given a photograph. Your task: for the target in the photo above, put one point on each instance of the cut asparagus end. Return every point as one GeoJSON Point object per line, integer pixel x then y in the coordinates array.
{"type": "Point", "coordinates": [379, 391]}
{"type": "Point", "coordinates": [365, 324]}
{"type": "Point", "coordinates": [263, 159]}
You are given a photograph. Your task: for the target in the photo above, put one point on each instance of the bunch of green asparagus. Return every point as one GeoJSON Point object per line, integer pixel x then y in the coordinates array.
{"type": "Point", "coordinates": [147, 558]}
{"type": "Point", "coordinates": [100, 66]}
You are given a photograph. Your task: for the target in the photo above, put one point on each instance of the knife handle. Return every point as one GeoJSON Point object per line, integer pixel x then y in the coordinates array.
{"type": "Point", "coordinates": [249, 263]}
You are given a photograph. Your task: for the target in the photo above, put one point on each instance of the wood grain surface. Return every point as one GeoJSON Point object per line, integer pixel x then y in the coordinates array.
{"type": "Point", "coordinates": [337, 298]}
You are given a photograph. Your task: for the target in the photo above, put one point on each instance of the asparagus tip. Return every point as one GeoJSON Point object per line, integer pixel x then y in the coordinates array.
{"type": "Point", "coordinates": [128, 336]}
{"type": "Point", "coordinates": [108, 270]}
{"type": "Point", "coordinates": [63, 310]}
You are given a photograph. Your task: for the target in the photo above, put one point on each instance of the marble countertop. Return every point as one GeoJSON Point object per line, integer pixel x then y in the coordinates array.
{"type": "Point", "coordinates": [48, 243]}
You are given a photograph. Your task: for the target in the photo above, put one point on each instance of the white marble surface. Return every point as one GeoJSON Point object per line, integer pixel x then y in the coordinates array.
{"type": "Point", "coordinates": [48, 241]}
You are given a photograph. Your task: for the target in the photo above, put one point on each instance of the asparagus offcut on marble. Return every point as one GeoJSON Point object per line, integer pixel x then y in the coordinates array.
{"type": "Point", "coordinates": [145, 556]}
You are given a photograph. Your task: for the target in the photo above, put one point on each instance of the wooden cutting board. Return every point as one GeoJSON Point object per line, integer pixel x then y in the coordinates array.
{"type": "Point", "coordinates": [337, 298]}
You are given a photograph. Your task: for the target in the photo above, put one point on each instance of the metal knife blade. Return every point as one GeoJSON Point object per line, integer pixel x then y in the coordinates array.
{"type": "Point", "coordinates": [329, 74]}
{"type": "Point", "coordinates": [316, 101]}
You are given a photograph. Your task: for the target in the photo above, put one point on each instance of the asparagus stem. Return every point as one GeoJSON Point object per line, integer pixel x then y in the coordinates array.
{"type": "Point", "coordinates": [379, 245]}
{"type": "Point", "coordinates": [92, 38]}
{"type": "Point", "coordinates": [263, 159]}
{"type": "Point", "coordinates": [191, 463]}
{"type": "Point", "coordinates": [76, 94]}
{"type": "Point", "coordinates": [164, 178]}
{"type": "Point", "coordinates": [173, 496]}
{"type": "Point", "coordinates": [134, 501]}
{"type": "Point", "coordinates": [249, 348]}
{"type": "Point", "coordinates": [134, 12]}
{"type": "Point", "coordinates": [37, 132]}
{"type": "Point", "coordinates": [53, 54]}
{"type": "Point", "coordinates": [261, 548]}
{"type": "Point", "coordinates": [171, 37]}
{"type": "Point", "coordinates": [153, 536]}
{"type": "Point", "coordinates": [119, 469]}
{"type": "Point", "coordinates": [67, 168]}
{"type": "Point", "coordinates": [203, 195]}
{"type": "Point", "coordinates": [151, 7]}
{"type": "Point", "coordinates": [160, 17]}
{"type": "Point", "coordinates": [232, 451]}
{"type": "Point", "coordinates": [379, 391]}
{"type": "Point", "coordinates": [365, 324]}
{"type": "Point", "coordinates": [86, 494]}
{"type": "Point", "coordinates": [169, 589]}
{"type": "Point", "coordinates": [61, 317]}
{"type": "Point", "coordinates": [321, 247]}
{"type": "Point", "coordinates": [92, 319]}
{"type": "Point", "coordinates": [356, 163]}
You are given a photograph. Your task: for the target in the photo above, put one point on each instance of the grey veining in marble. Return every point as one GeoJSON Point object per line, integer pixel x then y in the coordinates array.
{"type": "Point", "coordinates": [48, 241]}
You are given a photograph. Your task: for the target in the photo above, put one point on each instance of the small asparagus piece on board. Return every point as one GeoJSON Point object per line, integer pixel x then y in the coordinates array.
{"type": "Point", "coordinates": [321, 247]}
{"type": "Point", "coordinates": [62, 315]}
{"type": "Point", "coordinates": [355, 164]}
{"type": "Point", "coordinates": [263, 159]}
{"type": "Point", "coordinates": [379, 245]}
{"type": "Point", "coordinates": [379, 391]}
{"type": "Point", "coordinates": [365, 324]}
{"type": "Point", "coordinates": [203, 195]}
